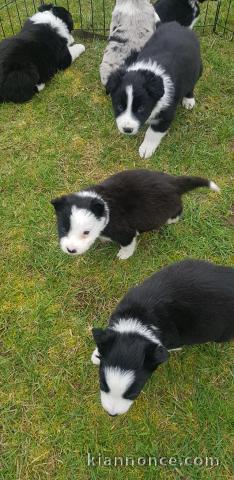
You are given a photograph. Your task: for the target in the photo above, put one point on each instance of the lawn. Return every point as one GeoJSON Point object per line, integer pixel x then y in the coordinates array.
{"type": "Point", "coordinates": [61, 141]}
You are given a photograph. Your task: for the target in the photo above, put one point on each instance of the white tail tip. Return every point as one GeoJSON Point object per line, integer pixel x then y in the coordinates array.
{"type": "Point", "coordinates": [214, 187]}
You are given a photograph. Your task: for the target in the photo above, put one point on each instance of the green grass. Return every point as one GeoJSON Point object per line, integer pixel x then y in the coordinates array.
{"type": "Point", "coordinates": [61, 141]}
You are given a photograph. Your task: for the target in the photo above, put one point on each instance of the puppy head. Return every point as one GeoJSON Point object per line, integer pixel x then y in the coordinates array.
{"type": "Point", "coordinates": [80, 218]}
{"type": "Point", "coordinates": [59, 12]}
{"type": "Point", "coordinates": [127, 360]}
{"type": "Point", "coordinates": [134, 94]}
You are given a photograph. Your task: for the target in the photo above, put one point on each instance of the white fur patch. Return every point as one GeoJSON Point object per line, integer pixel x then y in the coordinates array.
{"type": "Point", "coordinates": [76, 50]}
{"type": "Point", "coordinates": [188, 103]}
{"type": "Point", "coordinates": [127, 120]}
{"type": "Point", "coordinates": [76, 241]}
{"type": "Point", "coordinates": [214, 187]}
{"type": "Point", "coordinates": [40, 87]}
{"type": "Point", "coordinates": [126, 252]}
{"type": "Point", "coordinates": [167, 83]}
{"type": "Point", "coordinates": [132, 325]}
{"type": "Point", "coordinates": [95, 358]}
{"type": "Point", "coordinates": [118, 382]}
{"type": "Point", "coordinates": [173, 220]}
{"type": "Point", "coordinates": [48, 18]}
{"type": "Point", "coordinates": [151, 142]}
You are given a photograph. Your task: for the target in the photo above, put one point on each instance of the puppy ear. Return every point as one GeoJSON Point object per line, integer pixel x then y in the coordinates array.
{"type": "Point", "coordinates": [154, 355]}
{"type": "Point", "coordinates": [97, 207]}
{"type": "Point", "coordinates": [154, 84]}
{"type": "Point", "coordinates": [114, 80]}
{"type": "Point", "coordinates": [103, 338]}
{"type": "Point", "coordinates": [58, 203]}
{"type": "Point", "coordinates": [44, 7]}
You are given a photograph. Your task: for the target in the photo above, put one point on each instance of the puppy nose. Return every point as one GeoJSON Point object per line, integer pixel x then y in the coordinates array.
{"type": "Point", "coordinates": [112, 414]}
{"type": "Point", "coordinates": [128, 130]}
{"type": "Point", "coordinates": [71, 250]}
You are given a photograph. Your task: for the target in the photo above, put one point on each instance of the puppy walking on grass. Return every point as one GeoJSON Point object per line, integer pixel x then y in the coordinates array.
{"type": "Point", "coordinates": [121, 207]}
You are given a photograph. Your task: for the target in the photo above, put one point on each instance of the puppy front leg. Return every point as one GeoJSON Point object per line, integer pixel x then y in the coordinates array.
{"type": "Point", "coordinates": [154, 135]}
{"type": "Point", "coordinates": [95, 358]}
{"type": "Point", "coordinates": [128, 250]}
{"type": "Point", "coordinates": [76, 50]}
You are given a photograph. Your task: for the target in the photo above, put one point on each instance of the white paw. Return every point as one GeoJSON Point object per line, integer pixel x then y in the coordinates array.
{"type": "Point", "coordinates": [104, 239]}
{"type": "Point", "coordinates": [188, 103]}
{"type": "Point", "coordinates": [123, 253]}
{"type": "Point", "coordinates": [173, 220]}
{"type": "Point", "coordinates": [40, 87]}
{"type": "Point", "coordinates": [95, 358]}
{"type": "Point", "coordinates": [80, 48]}
{"type": "Point", "coordinates": [147, 149]}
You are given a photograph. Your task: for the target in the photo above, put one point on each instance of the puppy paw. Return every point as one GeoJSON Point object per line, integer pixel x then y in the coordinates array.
{"type": "Point", "coordinates": [188, 103]}
{"type": "Point", "coordinates": [80, 48]}
{"type": "Point", "coordinates": [40, 87]}
{"type": "Point", "coordinates": [123, 254]}
{"type": "Point", "coordinates": [146, 149]}
{"type": "Point", "coordinates": [95, 358]}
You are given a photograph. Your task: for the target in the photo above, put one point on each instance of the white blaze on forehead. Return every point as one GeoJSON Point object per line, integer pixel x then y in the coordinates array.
{"type": "Point", "coordinates": [118, 382]}
{"type": "Point", "coordinates": [127, 118]}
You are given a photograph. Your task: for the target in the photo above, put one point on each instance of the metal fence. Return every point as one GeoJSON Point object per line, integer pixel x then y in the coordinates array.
{"type": "Point", "coordinates": [92, 17]}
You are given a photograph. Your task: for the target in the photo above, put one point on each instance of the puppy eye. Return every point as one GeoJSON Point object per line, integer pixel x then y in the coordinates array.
{"type": "Point", "coordinates": [86, 232]}
{"type": "Point", "coordinates": [141, 109]}
{"type": "Point", "coordinates": [120, 108]}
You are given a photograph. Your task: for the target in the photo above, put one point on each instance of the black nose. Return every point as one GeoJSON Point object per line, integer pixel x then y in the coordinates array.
{"type": "Point", "coordinates": [112, 414]}
{"type": "Point", "coordinates": [71, 251]}
{"type": "Point", "coordinates": [128, 130]}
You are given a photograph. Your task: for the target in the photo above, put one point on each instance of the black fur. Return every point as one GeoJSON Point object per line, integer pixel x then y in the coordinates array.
{"type": "Point", "coordinates": [181, 11]}
{"type": "Point", "coordinates": [189, 302]}
{"type": "Point", "coordinates": [176, 49]}
{"type": "Point", "coordinates": [32, 57]}
{"type": "Point", "coordinates": [138, 201]}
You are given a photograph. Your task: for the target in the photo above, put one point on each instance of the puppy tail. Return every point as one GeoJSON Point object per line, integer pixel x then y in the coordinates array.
{"type": "Point", "coordinates": [185, 184]}
{"type": "Point", "coordinates": [19, 84]}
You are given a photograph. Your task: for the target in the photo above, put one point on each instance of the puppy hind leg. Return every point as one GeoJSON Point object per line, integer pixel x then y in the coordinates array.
{"type": "Point", "coordinates": [175, 218]}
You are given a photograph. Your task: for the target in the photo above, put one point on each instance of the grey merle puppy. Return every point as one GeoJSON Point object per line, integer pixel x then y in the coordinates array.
{"type": "Point", "coordinates": [133, 22]}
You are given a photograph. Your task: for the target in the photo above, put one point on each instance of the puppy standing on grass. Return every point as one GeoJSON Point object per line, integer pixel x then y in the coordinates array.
{"type": "Point", "coordinates": [120, 207]}
{"type": "Point", "coordinates": [149, 90]}
{"type": "Point", "coordinates": [187, 303]}
{"type": "Point", "coordinates": [33, 56]}
{"type": "Point", "coordinates": [132, 24]}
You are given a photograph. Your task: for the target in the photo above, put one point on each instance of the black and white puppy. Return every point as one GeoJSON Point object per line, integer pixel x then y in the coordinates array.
{"type": "Point", "coordinates": [187, 303]}
{"type": "Point", "coordinates": [185, 12]}
{"type": "Point", "coordinates": [120, 207]}
{"type": "Point", "coordinates": [33, 56]}
{"type": "Point", "coordinates": [149, 90]}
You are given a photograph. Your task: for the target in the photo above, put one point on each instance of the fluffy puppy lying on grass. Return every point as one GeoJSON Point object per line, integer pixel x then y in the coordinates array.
{"type": "Point", "coordinates": [121, 207]}
{"type": "Point", "coordinates": [186, 303]}
{"type": "Point", "coordinates": [132, 24]}
{"type": "Point", "coordinates": [33, 56]}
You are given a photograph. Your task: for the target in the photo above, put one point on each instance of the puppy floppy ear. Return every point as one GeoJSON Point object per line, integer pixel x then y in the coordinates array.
{"type": "Point", "coordinates": [154, 355]}
{"type": "Point", "coordinates": [97, 207]}
{"type": "Point", "coordinates": [103, 338]}
{"type": "Point", "coordinates": [154, 84]}
{"type": "Point", "coordinates": [114, 81]}
{"type": "Point", "coordinates": [58, 203]}
{"type": "Point", "coordinates": [44, 7]}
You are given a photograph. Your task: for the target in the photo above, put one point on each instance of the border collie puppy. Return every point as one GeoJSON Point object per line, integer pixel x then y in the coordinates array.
{"type": "Point", "coordinates": [149, 90]}
{"type": "Point", "coordinates": [33, 56]}
{"type": "Point", "coordinates": [133, 23]}
{"type": "Point", "coordinates": [185, 12]}
{"type": "Point", "coordinates": [187, 303]}
{"type": "Point", "coordinates": [120, 207]}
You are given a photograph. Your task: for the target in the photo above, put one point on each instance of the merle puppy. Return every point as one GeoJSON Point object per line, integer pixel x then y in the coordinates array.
{"type": "Point", "coordinates": [149, 90]}
{"type": "Point", "coordinates": [120, 207]}
{"type": "Point", "coordinates": [185, 12]}
{"type": "Point", "coordinates": [187, 303]}
{"type": "Point", "coordinates": [33, 56]}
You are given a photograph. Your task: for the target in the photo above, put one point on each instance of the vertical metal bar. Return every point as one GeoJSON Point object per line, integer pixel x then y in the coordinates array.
{"type": "Point", "coordinates": [8, 13]}
{"type": "Point", "coordinates": [92, 20]}
{"type": "Point", "coordinates": [104, 17]}
{"type": "Point", "coordinates": [225, 24]}
{"type": "Point", "coordinates": [216, 16]}
{"type": "Point", "coordinates": [26, 8]}
{"type": "Point", "coordinates": [34, 6]}
{"type": "Point", "coordinates": [206, 12]}
{"type": "Point", "coordinates": [16, 6]}
{"type": "Point", "coordinates": [3, 31]}
{"type": "Point", "coordinates": [81, 16]}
